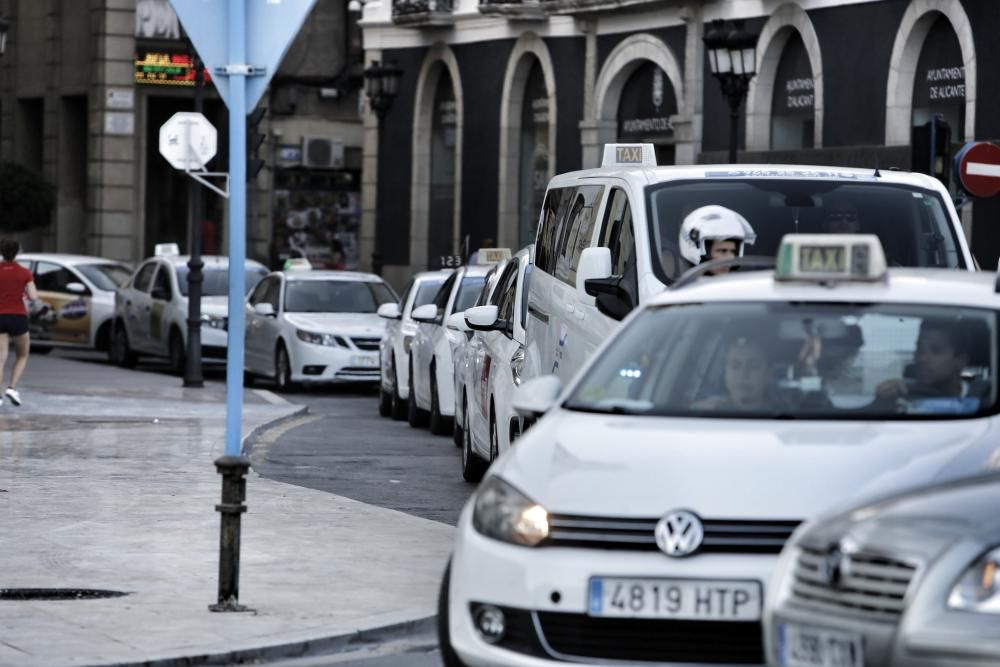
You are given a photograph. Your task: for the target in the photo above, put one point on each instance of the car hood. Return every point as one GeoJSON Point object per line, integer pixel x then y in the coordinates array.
{"type": "Point", "coordinates": [346, 324]}
{"type": "Point", "coordinates": [213, 305]}
{"type": "Point", "coordinates": [578, 463]}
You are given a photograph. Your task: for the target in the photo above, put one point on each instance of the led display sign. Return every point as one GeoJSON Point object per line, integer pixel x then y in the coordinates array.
{"type": "Point", "coordinates": [166, 69]}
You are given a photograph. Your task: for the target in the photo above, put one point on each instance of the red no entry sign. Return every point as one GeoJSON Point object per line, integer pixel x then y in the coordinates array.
{"type": "Point", "coordinates": [978, 166]}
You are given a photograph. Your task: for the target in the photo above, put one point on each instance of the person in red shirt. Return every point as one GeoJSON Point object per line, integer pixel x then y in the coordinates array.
{"type": "Point", "coordinates": [16, 282]}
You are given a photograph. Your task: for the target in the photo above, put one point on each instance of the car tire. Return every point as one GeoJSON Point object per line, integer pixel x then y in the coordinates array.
{"type": "Point", "coordinates": [176, 353]}
{"type": "Point", "coordinates": [473, 467]}
{"type": "Point", "coordinates": [41, 349]}
{"type": "Point", "coordinates": [283, 369]}
{"type": "Point", "coordinates": [248, 379]}
{"type": "Point", "coordinates": [384, 401]}
{"type": "Point", "coordinates": [414, 415]}
{"type": "Point", "coordinates": [448, 656]}
{"type": "Point", "coordinates": [439, 423]}
{"type": "Point", "coordinates": [398, 412]}
{"type": "Point", "coordinates": [119, 352]}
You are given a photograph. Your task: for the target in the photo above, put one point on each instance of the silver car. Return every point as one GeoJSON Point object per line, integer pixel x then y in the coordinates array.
{"type": "Point", "coordinates": [913, 580]}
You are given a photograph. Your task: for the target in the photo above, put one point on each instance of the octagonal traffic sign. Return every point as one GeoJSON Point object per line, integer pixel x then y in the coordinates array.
{"type": "Point", "coordinates": [978, 166]}
{"type": "Point", "coordinates": [188, 141]}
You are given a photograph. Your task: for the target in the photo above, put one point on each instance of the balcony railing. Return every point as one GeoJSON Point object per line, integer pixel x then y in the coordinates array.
{"type": "Point", "coordinates": [551, 7]}
{"type": "Point", "coordinates": [529, 10]}
{"type": "Point", "coordinates": [422, 12]}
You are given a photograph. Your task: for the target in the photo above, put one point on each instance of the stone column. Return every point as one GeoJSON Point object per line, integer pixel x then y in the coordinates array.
{"type": "Point", "coordinates": [689, 129]}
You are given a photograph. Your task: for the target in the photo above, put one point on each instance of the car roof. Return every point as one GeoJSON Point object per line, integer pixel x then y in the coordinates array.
{"type": "Point", "coordinates": [353, 276]}
{"type": "Point", "coordinates": [478, 270]}
{"type": "Point", "coordinates": [432, 275]}
{"type": "Point", "coordinates": [930, 286]}
{"type": "Point", "coordinates": [647, 175]}
{"type": "Point", "coordinates": [68, 258]}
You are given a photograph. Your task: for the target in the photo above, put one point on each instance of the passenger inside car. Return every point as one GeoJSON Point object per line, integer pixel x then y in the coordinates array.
{"type": "Point", "coordinates": [746, 378]}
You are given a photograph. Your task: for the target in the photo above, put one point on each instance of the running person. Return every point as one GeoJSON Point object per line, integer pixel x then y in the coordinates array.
{"type": "Point", "coordinates": [16, 282]}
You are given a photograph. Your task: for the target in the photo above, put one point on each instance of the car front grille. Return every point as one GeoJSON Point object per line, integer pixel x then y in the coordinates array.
{"type": "Point", "coordinates": [873, 586]}
{"type": "Point", "coordinates": [367, 344]}
{"type": "Point", "coordinates": [721, 535]}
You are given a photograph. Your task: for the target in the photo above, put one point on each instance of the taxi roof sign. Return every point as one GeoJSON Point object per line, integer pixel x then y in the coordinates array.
{"type": "Point", "coordinates": [297, 264]}
{"type": "Point", "coordinates": [629, 155]}
{"type": "Point", "coordinates": [493, 255]}
{"type": "Point", "coordinates": [830, 258]}
{"type": "Point", "coordinates": [166, 250]}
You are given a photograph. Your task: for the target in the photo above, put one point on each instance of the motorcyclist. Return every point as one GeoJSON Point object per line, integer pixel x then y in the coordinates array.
{"type": "Point", "coordinates": [714, 232]}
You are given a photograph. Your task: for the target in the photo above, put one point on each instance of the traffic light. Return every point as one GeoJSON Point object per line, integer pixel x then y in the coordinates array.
{"type": "Point", "coordinates": [931, 143]}
{"type": "Point", "coordinates": [255, 138]}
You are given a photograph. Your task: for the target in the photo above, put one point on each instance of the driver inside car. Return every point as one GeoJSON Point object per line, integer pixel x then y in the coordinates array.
{"type": "Point", "coordinates": [746, 379]}
{"type": "Point", "coordinates": [942, 353]}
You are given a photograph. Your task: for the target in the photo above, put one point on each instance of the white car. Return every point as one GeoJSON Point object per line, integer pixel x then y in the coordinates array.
{"type": "Point", "coordinates": [313, 327]}
{"type": "Point", "coordinates": [490, 424]}
{"type": "Point", "coordinates": [639, 519]}
{"type": "Point", "coordinates": [151, 310]}
{"type": "Point", "coordinates": [394, 348]}
{"type": "Point", "coordinates": [79, 291]}
{"type": "Point", "coordinates": [464, 355]}
{"type": "Point", "coordinates": [432, 384]}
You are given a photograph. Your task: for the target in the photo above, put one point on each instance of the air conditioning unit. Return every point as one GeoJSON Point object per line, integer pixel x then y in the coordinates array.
{"type": "Point", "coordinates": [323, 152]}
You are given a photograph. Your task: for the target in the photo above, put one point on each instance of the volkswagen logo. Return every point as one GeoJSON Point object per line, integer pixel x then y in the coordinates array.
{"type": "Point", "coordinates": [833, 567]}
{"type": "Point", "coordinates": [679, 533]}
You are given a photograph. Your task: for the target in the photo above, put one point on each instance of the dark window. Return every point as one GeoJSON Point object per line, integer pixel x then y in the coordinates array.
{"type": "Point", "coordinates": [52, 277]}
{"type": "Point", "coordinates": [335, 296]}
{"type": "Point", "coordinates": [467, 292]}
{"type": "Point", "coordinates": [161, 285]}
{"type": "Point", "coordinates": [441, 298]}
{"type": "Point", "coordinates": [144, 277]}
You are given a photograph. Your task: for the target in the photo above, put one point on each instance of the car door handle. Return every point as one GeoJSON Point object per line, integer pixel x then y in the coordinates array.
{"type": "Point", "coordinates": [569, 308]}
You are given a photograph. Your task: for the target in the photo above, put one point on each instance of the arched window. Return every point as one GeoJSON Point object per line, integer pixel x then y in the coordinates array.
{"type": "Point", "coordinates": [794, 100]}
{"type": "Point", "coordinates": [939, 86]}
{"type": "Point", "coordinates": [440, 237]}
{"type": "Point", "coordinates": [533, 169]}
{"type": "Point", "coordinates": [644, 109]}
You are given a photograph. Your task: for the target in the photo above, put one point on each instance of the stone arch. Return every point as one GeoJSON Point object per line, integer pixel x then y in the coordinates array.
{"type": "Point", "coordinates": [529, 49]}
{"type": "Point", "coordinates": [623, 61]}
{"type": "Point", "coordinates": [440, 60]}
{"type": "Point", "coordinates": [913, 29]}
{"type": "Point", "coordinates": [770, 46]}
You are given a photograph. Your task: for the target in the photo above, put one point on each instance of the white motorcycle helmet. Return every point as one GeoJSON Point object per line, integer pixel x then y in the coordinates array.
{"type": "Point", "coordinates": [713, 223]}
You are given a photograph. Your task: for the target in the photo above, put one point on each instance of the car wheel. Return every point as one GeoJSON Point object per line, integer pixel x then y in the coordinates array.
{"type": "Point", "coordinates": [473, 467]}
{"type": "Point", "coordinates": [119, 352]}
{"type": "Point", "coordinates": [415, 415]}
{"type": "Point", "coordinates": [283, 369]}
{"type": "Point", "coordinates": [448, 656]}
{"type": "Point", "coordinates": [398, 411]}
{"type": "Point", "coordinates": [439, 423]}
{"type": "Point", "coordinates": [384, 401]}
{"type": "Point", "coordinates": [176, 353]}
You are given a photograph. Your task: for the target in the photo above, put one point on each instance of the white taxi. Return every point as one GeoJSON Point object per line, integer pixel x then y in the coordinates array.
{"type": "Point", "coordinates": [640, 518]}
{"type": "Point", "coordinates": [394, 348]}
{"type": "Point", "coordinates": [80, 293]}
{"type": "Point", "coordinates": [315, 327]}
{"type": "Point", "coordinates": [490, 424]}
{"type": "Point", "coordinates": [151, 309]}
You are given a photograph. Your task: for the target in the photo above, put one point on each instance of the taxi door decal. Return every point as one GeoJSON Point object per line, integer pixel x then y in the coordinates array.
{"type": "Point", "coordinates": [156, 320]}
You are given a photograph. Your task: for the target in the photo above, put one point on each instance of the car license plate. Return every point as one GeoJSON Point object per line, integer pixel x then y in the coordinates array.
{"type": "Point", "coordinates": [801, 646]}
{"type": "Point", "coordinates": [682, 599]}
{"type": "Point", "coordinates": [365, 361]}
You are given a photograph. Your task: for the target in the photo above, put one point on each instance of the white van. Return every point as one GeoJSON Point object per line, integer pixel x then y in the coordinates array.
{"type": "Point", "coordinates": [613, 233]}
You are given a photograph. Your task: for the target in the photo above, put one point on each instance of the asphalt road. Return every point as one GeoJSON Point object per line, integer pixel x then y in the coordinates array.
{"type": "Point", "coordinates": [343, 446]}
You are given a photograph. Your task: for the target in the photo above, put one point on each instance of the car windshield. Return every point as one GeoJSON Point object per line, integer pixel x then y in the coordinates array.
{"type": "Point", "coordinates": [912, 224]}
{"type": "Point", "coordinates": [798, 360]}
{"type": "Point", "coordinates": [217, 280]}
{"type": "Point", "coordinates": [336, 296]}
{"type": "Point", "coordinates": [468, 292]}
{"type": "Point", "coordinates": [108, 277]}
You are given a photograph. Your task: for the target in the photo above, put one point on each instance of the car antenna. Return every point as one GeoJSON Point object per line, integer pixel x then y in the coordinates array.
{"type": "Point", "coordinates": [877, 173]}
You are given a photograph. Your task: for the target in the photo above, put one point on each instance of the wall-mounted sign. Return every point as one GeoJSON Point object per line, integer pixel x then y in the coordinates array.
{"type": "Point", "coordinates": [940, 79]}
{"type": "Point", "coordinates": [166, 69]}
{"type": "Point", "coordinates": [119, 122]}
{"type": "Point", "coordinates": [120, 98]}
{"type": "Point", "coordinates": [794, 85]}
{"type": "Point", "coordinates": [288, 154]}
{"type": "Point", "coordinates": [156, 19]}
{"type": "Point", "coordinates": [646, 104]}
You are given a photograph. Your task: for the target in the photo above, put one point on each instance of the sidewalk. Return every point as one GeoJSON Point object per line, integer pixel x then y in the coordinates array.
{"type": "Point", "coordinates": [108, 483]}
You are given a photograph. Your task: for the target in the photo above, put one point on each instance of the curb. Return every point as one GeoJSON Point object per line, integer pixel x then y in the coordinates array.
{"type": "Point", "coordinates": [319, 646]}
{"type": "Point", "coordinates": [246, 444]}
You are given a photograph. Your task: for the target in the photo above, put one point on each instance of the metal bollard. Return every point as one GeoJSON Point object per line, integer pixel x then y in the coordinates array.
{"type": "Point", "coordinates": [234, 490]}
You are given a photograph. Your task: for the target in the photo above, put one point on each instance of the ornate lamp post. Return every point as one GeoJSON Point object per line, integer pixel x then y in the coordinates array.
{"type": "Point", "coordinates": [192, 357]}
{"type": "Point", "coordinates": [732, 60]}
{"type": "Point", "coordinates": [381, 87]}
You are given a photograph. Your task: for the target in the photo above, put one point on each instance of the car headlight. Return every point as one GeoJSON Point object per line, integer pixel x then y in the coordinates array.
{"type": "Point", "coordinates": [330, 340]}
{"type": "Point", "coordinates": [517, 366]}
{"type": "Point", "coordinates": [213, 321]}
{"type": "Point", "coordinates": [504, 513]}
{"type": "Point", "coordinates": [978, 589]}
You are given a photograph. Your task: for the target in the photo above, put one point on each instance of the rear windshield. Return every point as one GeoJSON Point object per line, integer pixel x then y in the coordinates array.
{"type": "Point", "coordinates": [912, 224]}
{"type": "Point", "coordinates": [798, 361]}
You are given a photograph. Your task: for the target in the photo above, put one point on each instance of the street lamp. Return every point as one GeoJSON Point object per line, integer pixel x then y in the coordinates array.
{"type": "Point", "coordinates": [732, 60]}
{"type": "Point", "coordinates": [381, 87]}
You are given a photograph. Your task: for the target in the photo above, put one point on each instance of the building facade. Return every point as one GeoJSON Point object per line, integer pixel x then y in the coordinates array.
{"type": "Point", "coordinates": [509, 92]}
{"type": "Point", "coordinates": [86, 85]}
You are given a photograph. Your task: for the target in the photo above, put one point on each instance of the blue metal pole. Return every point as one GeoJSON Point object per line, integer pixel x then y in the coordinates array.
{"type": "Point", "coordinates": [237, 227]}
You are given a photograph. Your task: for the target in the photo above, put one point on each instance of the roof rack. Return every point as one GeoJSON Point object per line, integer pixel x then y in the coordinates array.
{"type": "Point", "coordinates": [756, 262]}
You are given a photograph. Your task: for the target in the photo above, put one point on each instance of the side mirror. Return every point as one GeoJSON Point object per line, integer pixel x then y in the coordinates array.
{"type": "Point", "coordinates": [536, 396]}
{"type": "Point", "coordinates": [76, 288]}
{"type": "Point", "coordinates": [456, 322]}
{"type": "Point", "coordinates": [425, 313]}
{"type": "Point", "coordinates": [612, 300]}
{"type": "Point", "coordinates": [595, 264]}
{"type": "Point", "coordinates": [264, 309]}
{"type": "Point", "coordinates": [483, 318]}
{"type": "Point", "coordinates": [389, 311]}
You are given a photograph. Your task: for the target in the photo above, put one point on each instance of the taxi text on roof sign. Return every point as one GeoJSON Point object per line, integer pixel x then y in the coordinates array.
{"type": "Point", "coordinates": [629, 155]}
{"type": "Point", "coordinates": [297, 264]}
{"type": "Point", "coordinates": [166, 250]}
{"type": "Point", "coordinates": [493, 255]}
{"type": "Point", "coordinates": [830, 258]}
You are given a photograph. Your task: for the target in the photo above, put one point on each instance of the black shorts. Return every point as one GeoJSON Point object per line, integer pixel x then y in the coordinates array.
{"type": "Point", "coordinates": [14, 325]}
